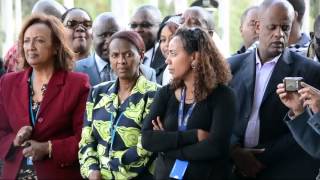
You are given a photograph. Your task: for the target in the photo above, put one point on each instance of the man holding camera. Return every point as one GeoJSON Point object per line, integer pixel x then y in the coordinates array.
{"type": "Point", "coordinates": [262, 145]}
{"type": "Point", "coordinates": [303, 117]}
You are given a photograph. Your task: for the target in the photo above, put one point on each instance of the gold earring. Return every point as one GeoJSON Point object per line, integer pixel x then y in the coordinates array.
{"type": "Point", "coordinates": [193, 65]}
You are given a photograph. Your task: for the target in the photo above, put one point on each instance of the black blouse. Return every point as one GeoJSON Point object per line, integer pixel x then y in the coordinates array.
{"type": "Point", "coordinates": [208, 159]}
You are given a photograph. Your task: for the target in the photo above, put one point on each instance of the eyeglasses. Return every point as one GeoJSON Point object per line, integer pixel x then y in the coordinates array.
{"type": "Point", "coordinates": [73, 24]}
{"type": "Point", "coordinates": [142, 25]}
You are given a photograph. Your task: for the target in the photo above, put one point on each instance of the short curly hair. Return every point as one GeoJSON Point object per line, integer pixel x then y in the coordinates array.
{"type": "Point", "coordinates": [211, 69]}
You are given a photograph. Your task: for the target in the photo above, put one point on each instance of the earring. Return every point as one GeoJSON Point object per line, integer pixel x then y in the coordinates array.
{"type": "Point", "coordinates": [193, 65]}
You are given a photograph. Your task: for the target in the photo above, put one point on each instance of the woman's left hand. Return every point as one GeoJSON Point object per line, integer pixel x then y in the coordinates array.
{"type": "Point", "coordinates": [36, 150]}
{"type": "Point", "coordinates": [157, 124]}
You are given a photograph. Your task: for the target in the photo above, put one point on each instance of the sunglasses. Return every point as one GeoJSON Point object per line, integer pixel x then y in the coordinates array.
{"type": "Point", "coordinates": [73, 24]}
{"type": "Point", "coordinates": [142, 25]}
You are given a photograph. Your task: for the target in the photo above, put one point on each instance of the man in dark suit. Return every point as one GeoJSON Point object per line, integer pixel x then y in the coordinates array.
{"type": "Point", "coordinates": [262, 145]}
{"type": "Point", "coordinates": [97, 66]}
{"type": "Point", "coordinates": [145, 21]}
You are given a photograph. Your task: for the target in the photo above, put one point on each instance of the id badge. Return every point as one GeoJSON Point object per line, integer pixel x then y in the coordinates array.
{"type": "Point", "coordinates": [179, 169]}
{"type": "Point", "coordinates": [29, 161]}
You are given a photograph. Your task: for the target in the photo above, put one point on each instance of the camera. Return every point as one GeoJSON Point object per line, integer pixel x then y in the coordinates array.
{"type": "Point", "coordinates": [292, 83]}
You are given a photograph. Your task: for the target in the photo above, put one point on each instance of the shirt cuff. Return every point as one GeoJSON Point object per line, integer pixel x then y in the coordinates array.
{"type": "Point", "coordinates": [291, 115]}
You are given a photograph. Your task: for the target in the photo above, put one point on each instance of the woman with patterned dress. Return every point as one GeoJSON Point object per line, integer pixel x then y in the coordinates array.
{"type": "Point", "coordinates": [110, 147]}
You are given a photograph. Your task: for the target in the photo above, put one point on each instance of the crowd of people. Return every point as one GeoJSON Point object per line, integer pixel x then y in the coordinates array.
{"type": "Point", "coordinates": [84, 98]}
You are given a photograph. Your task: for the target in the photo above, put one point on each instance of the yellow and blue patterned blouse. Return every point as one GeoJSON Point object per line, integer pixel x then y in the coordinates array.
{"type": "Point", "coordinates": [107, 121]}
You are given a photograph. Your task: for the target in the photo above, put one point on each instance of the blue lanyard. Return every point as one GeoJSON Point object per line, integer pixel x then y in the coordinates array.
{"type": "Point", "coordinates": [33, 117]}
{"type": "Point", "coordinates": [183, 121]}
{"type": "Point", "coordinates": [112, 130]}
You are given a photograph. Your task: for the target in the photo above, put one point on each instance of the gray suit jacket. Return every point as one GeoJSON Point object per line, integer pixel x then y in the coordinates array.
{"type": "Point", "coordinates": [306, 131]}
{"type": "Point", "coordinates": [89, 66]}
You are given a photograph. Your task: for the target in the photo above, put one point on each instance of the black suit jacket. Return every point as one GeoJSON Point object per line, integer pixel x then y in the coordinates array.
{"type": "Point", "coordinates": [283, 158]}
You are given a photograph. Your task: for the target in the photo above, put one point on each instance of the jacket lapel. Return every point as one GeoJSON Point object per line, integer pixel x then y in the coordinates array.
{"type": "Point", "coordinates": [54, 87]}
{"type": "Point", "coordinates": [248, 72]}
{"type": "Point", "coordinates": [281, 70]}
{"type": "Point", "coordinates": [24, 98]}
{"type": "Point", "coordinates": [93, 70]}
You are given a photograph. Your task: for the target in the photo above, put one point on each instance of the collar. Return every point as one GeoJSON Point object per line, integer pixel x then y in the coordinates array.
{"type": "Point", "coordinates": [151, 52]}
{"type": "Point", "coordinates": [142, 86]}
{"type": "Point", "coordinates": [271, 61]}
{"type": "Point", "coordinates": [100, 62]}
{"type": "Point", "coordinates": [241, 50]}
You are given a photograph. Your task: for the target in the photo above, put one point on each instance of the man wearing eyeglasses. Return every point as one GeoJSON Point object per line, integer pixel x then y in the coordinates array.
{"type": "Point", "coordinates": [97, 66]}
{"type": "Point", "coordinates": [145, 21]}
{"type": "Point", "coordinates": [77, 22]}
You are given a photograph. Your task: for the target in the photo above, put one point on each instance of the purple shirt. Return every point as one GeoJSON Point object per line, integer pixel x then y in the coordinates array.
{"type": "Point", "coordinates": [263, 74]}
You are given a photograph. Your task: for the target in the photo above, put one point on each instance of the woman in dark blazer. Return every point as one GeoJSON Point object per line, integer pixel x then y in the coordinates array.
{"type": "Point", "coordinates": [190, 121]}
{"type": "Point", "coordinates": [42, 107]}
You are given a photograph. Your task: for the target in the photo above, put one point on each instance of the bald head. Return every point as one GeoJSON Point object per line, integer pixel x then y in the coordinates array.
{"type": "Point", "coordinates": [199, 17]}
{"type": "Point", "coordinates": [195, 16]}
{"type": "Point", "coordinates": [154, 12]}
{"type": "Point", "coordinates": [274, 26]}
{"type": "Point", "coordinates": [104, 26]}
{"type": "Point", "coordinates": [49, 7]}
{"type": "Point", "coordinates": [282, 4]}
{"type": "Point", "coordinates": [105, 18]}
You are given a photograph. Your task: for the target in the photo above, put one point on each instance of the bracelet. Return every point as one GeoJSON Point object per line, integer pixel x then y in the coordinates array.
{"type": "Point", "coordinates": [49, 149]}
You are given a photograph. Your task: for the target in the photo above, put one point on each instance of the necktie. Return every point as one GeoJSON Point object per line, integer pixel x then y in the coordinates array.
{"type": "Point", "coordinates": [105, 74]}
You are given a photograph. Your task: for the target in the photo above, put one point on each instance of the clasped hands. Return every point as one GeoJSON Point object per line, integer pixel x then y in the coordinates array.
{"type": "Point", "coordinates": [31, 148]}
{"type": "Point", "coordinates": [246, 163]}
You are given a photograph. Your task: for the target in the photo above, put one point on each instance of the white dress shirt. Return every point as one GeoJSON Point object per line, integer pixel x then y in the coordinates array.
{"type": "Point", "coordinates": [263, 74]}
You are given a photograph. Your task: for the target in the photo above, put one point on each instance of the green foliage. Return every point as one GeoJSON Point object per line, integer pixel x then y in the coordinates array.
{"type": "Point", "coordinates": [166, 9]}
{"type": "Point", "coordinates": [314, 12]}
{"type": "Point", "coordinates": [94, 8]}
{"type": "Point", "coordinates": [236, 10]}
{"type": "Point", "coordinates": [26, 7]}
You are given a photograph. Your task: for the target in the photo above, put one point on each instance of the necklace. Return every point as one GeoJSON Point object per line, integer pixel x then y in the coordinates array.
{"type": "Point", "coordinates": [36, 104]}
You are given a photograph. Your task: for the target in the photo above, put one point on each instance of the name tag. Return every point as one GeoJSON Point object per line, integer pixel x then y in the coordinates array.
{"type": "Point", "coordinates": [179, 168]}
{"type": "Point", "coordinates": [29, 161]}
